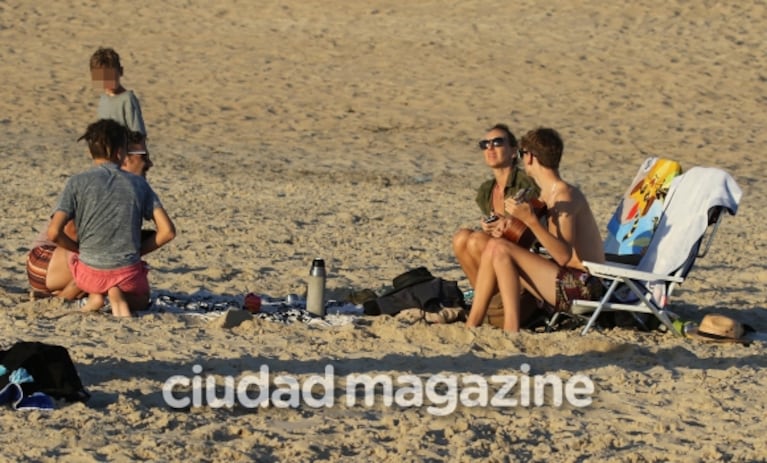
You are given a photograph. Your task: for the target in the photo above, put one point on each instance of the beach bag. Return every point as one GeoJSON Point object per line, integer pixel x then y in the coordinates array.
{"type": "Point", "coordinates": [416, 288]}
{"type": "Point", "coordinates": [50, 366]}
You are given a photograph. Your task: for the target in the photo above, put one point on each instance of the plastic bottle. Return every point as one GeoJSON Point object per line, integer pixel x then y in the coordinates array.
{"type": "Point", "coordinates": [315, 291]}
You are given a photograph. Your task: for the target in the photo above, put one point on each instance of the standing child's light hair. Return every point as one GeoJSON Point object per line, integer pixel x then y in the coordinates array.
{"type": "Point", "coordinates": [106, 58]}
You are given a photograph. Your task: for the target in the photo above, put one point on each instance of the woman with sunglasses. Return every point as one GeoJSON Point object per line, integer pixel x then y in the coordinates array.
{"type": "Point", "coordinates": [499, 148]}
{"type": "Point", "coordinates": [570, 235]}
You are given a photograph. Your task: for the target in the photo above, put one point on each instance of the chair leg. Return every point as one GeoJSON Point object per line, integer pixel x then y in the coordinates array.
{"type": "Point", "coordinates": [598, 310]}
{"type": "Point", "coordinates": [552, 322]}
{"type": "Point", "coordinates": [649, 303]}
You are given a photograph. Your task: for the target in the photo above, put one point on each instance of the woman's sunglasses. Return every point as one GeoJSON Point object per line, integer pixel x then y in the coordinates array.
{"type": "Point", "coordinates": [497, 142]}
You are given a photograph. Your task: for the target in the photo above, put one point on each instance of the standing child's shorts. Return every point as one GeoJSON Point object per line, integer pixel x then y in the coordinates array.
{"type": "Point", "coordinates": [130, 279]}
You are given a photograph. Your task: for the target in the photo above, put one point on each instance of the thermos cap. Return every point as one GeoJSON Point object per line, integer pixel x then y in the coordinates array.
{"type": "Point", "coordinates": [318, 263]}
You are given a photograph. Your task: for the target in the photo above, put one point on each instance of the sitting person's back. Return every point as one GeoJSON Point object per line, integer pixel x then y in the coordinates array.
{"type": "Point", "coordinates": [110, 207]}
{"type": "Point", "coordinates": [47, 265]}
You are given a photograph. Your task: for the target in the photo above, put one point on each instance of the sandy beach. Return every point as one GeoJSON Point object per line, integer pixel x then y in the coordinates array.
{"type": "Point", "coordinates": [285, 131]}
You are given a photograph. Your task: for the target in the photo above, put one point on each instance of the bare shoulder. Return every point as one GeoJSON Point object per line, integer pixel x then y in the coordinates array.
{"type": "Point", "coordinates": [574, 192]}
{"type": "Point", "coordinates": [568, 200]}
{"type": "Point", "coordinates": [576, 197]}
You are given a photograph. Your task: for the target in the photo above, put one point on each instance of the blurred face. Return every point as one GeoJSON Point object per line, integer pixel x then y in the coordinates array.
{"type": "Point", "coordinates": [496, 149]}
{"type": "Point", "coordinates": [106, 78]}
{"type": "Point", "coordinates": [137, 159]}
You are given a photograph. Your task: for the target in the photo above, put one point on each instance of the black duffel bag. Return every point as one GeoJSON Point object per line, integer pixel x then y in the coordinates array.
{"type": "Point", "coordinates": [416, 288]}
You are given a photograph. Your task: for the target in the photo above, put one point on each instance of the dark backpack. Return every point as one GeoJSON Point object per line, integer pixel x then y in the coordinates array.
{"type": "Point", "coordinates": [416, 288]}
{"type": "Point", "coordinates": [49, 365]}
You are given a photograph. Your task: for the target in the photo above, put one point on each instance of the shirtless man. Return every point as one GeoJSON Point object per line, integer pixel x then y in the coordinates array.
{"type": "Point", "coordinates": [570, 236]}
{"type": "Point", "coordinates": [500, 152]}
{"type": "Point", "coordinates": [108, 206]}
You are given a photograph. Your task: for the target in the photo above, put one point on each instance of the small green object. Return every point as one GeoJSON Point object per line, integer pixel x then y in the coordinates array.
{"type": "Point", "coordinates": [683, 327]}
{"type": "Point", "coordinates": [678, 327]}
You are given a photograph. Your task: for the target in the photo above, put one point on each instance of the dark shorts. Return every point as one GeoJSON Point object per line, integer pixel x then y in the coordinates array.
{"type": "Point", "coordinates": [37, 268]}
{"type": "Point", "coordinates": [576, 284]}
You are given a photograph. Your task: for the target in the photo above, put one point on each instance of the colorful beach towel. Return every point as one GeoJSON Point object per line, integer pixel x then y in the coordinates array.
{"type": "Point", "coordinates": [632, 225]}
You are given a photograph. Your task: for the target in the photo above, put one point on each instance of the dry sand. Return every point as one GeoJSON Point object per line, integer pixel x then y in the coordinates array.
{"type": "Point", "coordinates": [282, 131]}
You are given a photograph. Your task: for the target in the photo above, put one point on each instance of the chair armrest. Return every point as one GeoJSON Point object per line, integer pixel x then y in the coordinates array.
{"type": "Point", "coordinates": [613, 271]}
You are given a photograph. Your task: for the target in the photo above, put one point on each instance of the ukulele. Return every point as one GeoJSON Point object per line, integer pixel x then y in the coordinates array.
{"type": "Point", "coordinates": [518, 232]}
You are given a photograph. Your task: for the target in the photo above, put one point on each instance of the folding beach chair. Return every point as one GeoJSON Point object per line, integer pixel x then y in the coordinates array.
{"type": "Point", "coordinates": [691, 213]}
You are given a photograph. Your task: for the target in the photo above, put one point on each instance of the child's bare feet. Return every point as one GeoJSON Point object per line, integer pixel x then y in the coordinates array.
{"type": "Point", "coordinates": [94, 304]}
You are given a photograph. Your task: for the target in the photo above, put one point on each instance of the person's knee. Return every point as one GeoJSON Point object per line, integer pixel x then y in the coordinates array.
{"type": "Point", "coordinates": [497, 249]}
{"type": "Point", "coordinates": [491, 247]}
{"type": "Point", "coordinates": [460, 239]}
{"type": "Point", "coordinates": [477, 242]}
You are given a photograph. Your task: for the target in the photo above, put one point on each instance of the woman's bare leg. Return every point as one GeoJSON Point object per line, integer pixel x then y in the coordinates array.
{"type": "Point", "coordinates": [468, 246]}
{"type": "Point", "coordinates": [508, 284]}
{"type": "Point", "coordinates": [70, 292]}
{"type": "Point", "coordinates": [484, 288]}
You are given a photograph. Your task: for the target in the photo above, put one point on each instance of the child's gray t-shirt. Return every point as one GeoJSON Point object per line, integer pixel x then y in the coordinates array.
{"type": "Point", "coordinates": [123, 108]}
{"type": "Point", "coordinates": [108, 206]}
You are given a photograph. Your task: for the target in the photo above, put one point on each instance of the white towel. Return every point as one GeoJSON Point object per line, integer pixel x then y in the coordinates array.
{"type": "Point", "coordinates": [685, 219]}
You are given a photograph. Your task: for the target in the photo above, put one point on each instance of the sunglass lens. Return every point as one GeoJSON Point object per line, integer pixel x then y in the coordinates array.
{"type": "Point", "coordinates": [496, 142]}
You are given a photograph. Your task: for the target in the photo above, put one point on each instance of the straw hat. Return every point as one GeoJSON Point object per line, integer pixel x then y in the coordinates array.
{"type": "Point", "coordinates": [719, 328]}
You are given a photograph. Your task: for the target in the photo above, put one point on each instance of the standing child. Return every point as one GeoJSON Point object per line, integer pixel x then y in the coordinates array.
{"type": "Point", "coordinates": [116, 103]}
{"type": "Point", "coordinates": [108, 206]}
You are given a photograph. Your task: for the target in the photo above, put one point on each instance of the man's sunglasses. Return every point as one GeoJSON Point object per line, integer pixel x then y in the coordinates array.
{"type": "Point", "coordinates": [497, 142]}
{"type": "Point", "coordinates": [521, 153]}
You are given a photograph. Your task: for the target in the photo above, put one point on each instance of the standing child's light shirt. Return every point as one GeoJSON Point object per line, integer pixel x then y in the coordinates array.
{"type": "Point", "coordinates": [123, 108]}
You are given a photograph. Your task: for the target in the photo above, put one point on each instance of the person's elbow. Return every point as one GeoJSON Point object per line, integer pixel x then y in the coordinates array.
{"type": "Point", "coordinates": [166, 235]}
{"type": "Point", "coordinates": [55, 234]}
{"type": "Point", "coordinates": [166, 229]}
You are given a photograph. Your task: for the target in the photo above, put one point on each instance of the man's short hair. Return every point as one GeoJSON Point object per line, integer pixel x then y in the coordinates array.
{"type": "Point", "coordinates": [505, 129]}
{"type": "Point", "coordinates": [106, 58]}
{"type": "Point", "coordinates": [545, 144]}
{"type": "Point", "coordinates": [104, 138]}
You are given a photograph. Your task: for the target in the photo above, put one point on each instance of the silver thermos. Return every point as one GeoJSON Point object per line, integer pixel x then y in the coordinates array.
{"type": "Point", "coordinates": [315, 292]}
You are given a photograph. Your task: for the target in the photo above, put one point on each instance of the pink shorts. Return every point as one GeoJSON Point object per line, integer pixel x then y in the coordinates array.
{"type": "Point", "coordinates": [130, 279]}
